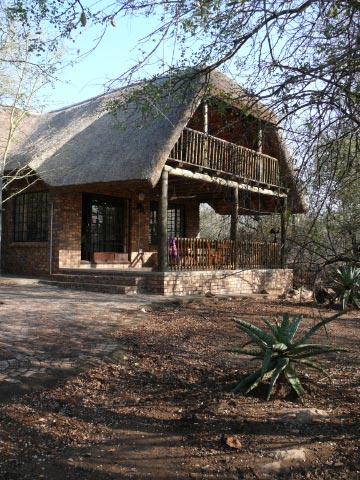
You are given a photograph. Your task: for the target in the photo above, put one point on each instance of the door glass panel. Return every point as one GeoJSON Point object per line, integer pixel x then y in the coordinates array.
{"type": "Point", "coordinates": [103, 225]}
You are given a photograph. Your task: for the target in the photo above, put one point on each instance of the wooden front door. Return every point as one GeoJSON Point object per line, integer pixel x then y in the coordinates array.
{"type": "Point", "coordinates": [103, 225]}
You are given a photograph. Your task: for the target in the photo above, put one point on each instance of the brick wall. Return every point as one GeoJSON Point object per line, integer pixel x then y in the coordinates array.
{"type": "Point", "coordinates": [232, 282]}
{"type": "Point", "coordinates": [33, 258]}
{"type": "Point", "coordinates": [22, 258]}
{"type": "Point", "coordinates": [67, 221]}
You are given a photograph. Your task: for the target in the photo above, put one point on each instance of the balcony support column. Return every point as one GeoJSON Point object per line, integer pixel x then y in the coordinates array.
{"type": "Point", "coordinates": [206, 117]}
{"type": "Point", "coordinates": [283, 225]}
{"type": "Point", "coordinates": [260, 137]}
{"type": "Point", "coordinates": [234, 224]}
{"type": "Point", "coordinates": [162, 223]}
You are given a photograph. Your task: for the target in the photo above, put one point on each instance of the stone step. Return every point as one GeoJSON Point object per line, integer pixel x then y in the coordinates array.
{"type": "Point", "coordinates": [95, 287]}
{"type": "Point", "coordinates": [113, 267]}
{"type": "Point", "coordinates": [104, 269]}
{"type": "Point", "coordinates": [98, 279]}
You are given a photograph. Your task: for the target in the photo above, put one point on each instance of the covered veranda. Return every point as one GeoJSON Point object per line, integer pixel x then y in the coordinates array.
{"type": "Point", "coordinates": [228, 197]}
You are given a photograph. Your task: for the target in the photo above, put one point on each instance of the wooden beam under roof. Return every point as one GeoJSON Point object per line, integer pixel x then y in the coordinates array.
{"type": "Point", "coordinates": [181, 172]}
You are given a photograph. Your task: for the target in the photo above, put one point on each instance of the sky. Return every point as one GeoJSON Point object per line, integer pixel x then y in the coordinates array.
{"type": "Point", "coordinates": [87, 77]}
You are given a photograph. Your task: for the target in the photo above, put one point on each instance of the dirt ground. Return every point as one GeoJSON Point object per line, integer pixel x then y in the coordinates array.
{"type": "Point", "coordinates": [164, 409]}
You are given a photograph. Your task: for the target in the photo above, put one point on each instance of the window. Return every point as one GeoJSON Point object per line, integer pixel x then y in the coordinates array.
{"type": "Point", "coordinates": [176, 221]}
{"type": "Point", "coordinates": [31, 217]}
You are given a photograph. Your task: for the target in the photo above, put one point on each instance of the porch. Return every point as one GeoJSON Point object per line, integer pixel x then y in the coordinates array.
{"type": "Point", "coordinates": [209, 254]}
{"type": "Point", "coordinates": [194, 266]}
{"type": "Point", "coordinates": [243, 281]}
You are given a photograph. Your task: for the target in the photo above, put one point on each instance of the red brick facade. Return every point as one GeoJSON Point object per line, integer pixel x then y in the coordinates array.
{"type": "Point", "coordinates": [24, 258]}
{"type": "Point", "coordinates": [65, 214]}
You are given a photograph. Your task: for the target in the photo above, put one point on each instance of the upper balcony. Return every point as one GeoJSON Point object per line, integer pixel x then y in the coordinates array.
{"type": "Point", "coordinates": [207, 152]}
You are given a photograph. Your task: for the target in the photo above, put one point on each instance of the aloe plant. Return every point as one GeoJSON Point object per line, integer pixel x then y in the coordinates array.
{"type": "Point", "coordinates": [281, 350]}
{"type": "Point", "coordinates": [347, 285]}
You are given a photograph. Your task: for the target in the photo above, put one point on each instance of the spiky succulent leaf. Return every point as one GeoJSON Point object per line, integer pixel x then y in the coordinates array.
{"type": "Point", "coordinates": [258, 335]}
{"type": "Point", "coordinates": [284, 329]}
{"type": "Point", "coordinates": [244, 351]}
{"type": "Point", "coordinates": [316, 352]}
{"type": "Point", "coordinates": [261, 378]}
{"type": "Point", "coordinates": [266, 361]}
{"type": "Point", "coordinates": [314, 365]}
{"type": "Point", "coordinates": [279, 347]}
{"type": "Point", "coordinates": [317, 327]}
{"type": "Point", "coordinates": [280, 367]}
{"type": "Point", "coordinates": [346, 283]}
{"type": "Point", "coordinates": [279, 352]}
{"type": "Point", "coordinates": [293, 327]}
{"type": "Point", "coordinates": [272, 327]}
{"type": "Point", "coordinates": [294, 380]}
{"type": "Point", "coordinates": [310, 348]}
{"type": "Point", "coordinates": [245, 382]}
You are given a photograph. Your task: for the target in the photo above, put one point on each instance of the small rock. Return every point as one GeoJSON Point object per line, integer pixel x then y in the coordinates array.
{"type": "Point", "coordinates": [292, 454]}
{"type": "Point", "coordinates": [284, 460]}
{"type": "Point", "coordinates": [302, 294]}
{"type": "Point", "coordinates": [233, 441]}
{"type": "Point", "coordinates": [304, 416]}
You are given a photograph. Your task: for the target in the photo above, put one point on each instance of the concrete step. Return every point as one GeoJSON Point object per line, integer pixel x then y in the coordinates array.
{"type": "Point", "coordinates": [95, 287]}
{"type": "Point", "coordinates": [104, 269]}
{"type": "Point", "coordinates": [94, 278]}
{"type": "Point", "coordinates": [117, 267]}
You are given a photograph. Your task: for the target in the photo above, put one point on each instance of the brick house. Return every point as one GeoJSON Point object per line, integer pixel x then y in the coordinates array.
{"type": "Point", "coordinates": [115, 204]}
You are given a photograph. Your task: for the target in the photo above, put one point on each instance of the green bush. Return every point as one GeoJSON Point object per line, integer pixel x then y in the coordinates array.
{"type": "Point", "coordinates": [347, 285]}
{"type": "Point", "coordinates": [280, 352]}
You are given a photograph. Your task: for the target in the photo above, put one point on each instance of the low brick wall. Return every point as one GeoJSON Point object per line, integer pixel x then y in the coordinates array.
{"type": "Point", "coordinates": [232, 282]}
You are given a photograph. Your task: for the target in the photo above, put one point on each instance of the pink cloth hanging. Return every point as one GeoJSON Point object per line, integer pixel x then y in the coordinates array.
{"type": "Point", "coordinates": [172, 248]}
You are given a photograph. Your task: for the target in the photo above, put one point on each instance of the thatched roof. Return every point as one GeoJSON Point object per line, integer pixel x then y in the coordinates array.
{"type": "Point", "coordinates": [84, 143]}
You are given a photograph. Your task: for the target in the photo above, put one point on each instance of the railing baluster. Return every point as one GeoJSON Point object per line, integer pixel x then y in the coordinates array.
{"type": "Point", "coordinates": [206, 254]}
{"type": "Point", "coordinates": [217, 154]}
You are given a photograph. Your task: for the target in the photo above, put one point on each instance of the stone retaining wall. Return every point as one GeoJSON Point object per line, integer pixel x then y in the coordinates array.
{"type": "Point", "coordinates": [233, 282]}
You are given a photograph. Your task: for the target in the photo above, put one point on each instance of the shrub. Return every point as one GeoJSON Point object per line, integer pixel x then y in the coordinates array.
{"type": "Point", "coordinates": [347, 285]}
{"type": "Point", "coordinates": [281, 351]}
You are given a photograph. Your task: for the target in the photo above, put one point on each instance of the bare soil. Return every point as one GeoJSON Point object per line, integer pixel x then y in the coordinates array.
{"type": "Point", "coordinates": [164, 408]}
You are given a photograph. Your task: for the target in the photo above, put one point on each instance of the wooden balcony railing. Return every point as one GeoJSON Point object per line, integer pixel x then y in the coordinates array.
{"type": "Point", "coordinates": [203, 150]}
{"type": "Point", "coordinates": [205, 254]}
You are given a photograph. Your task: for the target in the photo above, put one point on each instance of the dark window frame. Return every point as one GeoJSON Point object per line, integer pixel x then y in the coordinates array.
{"type": "Point", "coordinates": [94, 237]}
{"type": "Point", "coordinates": [176, 221]}
{"type": "Point", "coordinates": [31, 217]}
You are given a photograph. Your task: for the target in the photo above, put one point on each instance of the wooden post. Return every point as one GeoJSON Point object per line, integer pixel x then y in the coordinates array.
{"type": "Point", "coordinates": [205, 160]}
{"type": "Point", "coordinates": [206, 117]}
{"type": "Point", "coordinates": [283, 233]}
{"type": "Point", "coordinates": [162, 223]}
{"type": "Point", "coordinates": [260, 149]}
{"type": "Point", "coordinates": [234, 224]}
{"type": "Point", "coordinates": [260, 137]}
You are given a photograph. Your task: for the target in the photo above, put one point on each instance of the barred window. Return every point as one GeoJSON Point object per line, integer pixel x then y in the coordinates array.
{"type": "Point", "coordinates": [31, 217]}
{"type": "Point", "coordinates": [176, 221]}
